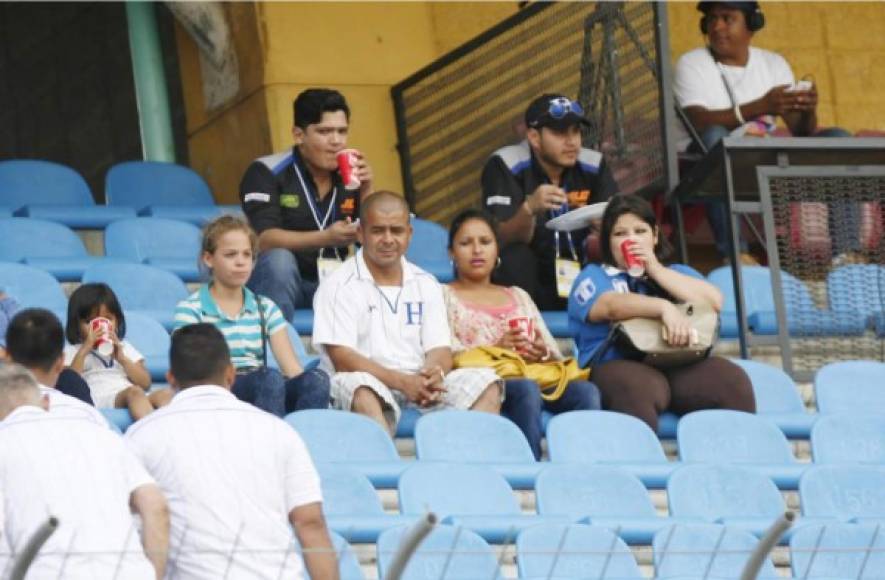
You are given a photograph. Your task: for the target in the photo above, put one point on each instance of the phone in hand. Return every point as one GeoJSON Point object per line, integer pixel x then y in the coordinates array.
{"type": "Point", "coordinates": [799, 87]}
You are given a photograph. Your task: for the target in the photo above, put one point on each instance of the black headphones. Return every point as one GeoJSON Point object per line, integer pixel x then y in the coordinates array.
{"type": "Point", "coordinates": [752, 15]}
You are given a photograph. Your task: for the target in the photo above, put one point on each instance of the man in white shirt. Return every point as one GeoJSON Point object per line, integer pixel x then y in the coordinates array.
{"type": "Point", "coordinates": [381, 323]}
{"type": "Point", "coordinates": [238, 479]}
{"type": "Point", "coordinates": [35, 340]}
{"type": "Point", "coordinates": [80, 473]}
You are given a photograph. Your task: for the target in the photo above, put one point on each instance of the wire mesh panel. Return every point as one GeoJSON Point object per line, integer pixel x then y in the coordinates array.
{"type": "Point", "coordinates": [831, 249]}
{"type": "Point", "coordinates": [452, 115]}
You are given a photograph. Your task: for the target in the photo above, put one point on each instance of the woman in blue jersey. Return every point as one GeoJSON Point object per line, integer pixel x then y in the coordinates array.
{"type": "Point", "coordinates": [251, 324]}
{"type": "Point", "coordinates": [606, 293]}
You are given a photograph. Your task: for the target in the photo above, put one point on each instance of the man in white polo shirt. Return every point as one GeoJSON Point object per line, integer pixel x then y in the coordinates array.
{"type": "Point", "coordinates": [238, 479]}
{"type": "Point", "coordinates": [381, 323]}
{"type": "Point", "coordinates": [36, 340]}
{"type": "Point", "coordinates": [82, 474]}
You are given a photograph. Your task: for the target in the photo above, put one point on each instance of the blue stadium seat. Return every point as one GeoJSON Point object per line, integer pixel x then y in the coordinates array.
{"type": "Point", "coordinates": [609, 438]}
{"type": "Point", "coordinates": [350, 439]}
{"type": "Point", "coordinates": [142, 288]}
{"type": "Point", "coordinates": [448, 552]}
{"type": "Point", "coordinates": [407, 422]}
{"type": "Point", "coordinates": [705, 551]}
{"type": "Point", "coordinates": [470, 437]}
{"type": "Point", "coordinates": [777, 398]}
{"type": "Point", "coordinates": [120, 419]}
{"type": "Point", "coordinates": [848, 493]}
{"type": "Point", "coordinates": [738, 438]}
{"type": "Point", "coordinates": [725, 494]}
{"type": "Point", "coordinates": [150, 339]}
{"type": "Point", "coordinates": [32, 287]}
{"type": "Point", "coordinates": [850, 387]}
{"type": "Point", "coordinates": [803, 317]}
{"type": "Point", "coordinates": [300, 352]}
{"type": "Point", "coordinates": [302, 320]}
{"type": "Point", "coordinates": [466, 495]}
{"type": "Point", "coordinates": [838, 550]}
{"type": "Point", "coordinates": [348, 564]}
{"type": "Point", "coordinates": [849, 439]}
{"type": "Point", "coordinates": [164, 190]}
{"type": "Point", "coordinates": [429, 249]}
{"type": "Point", "coordinates": [573, 551]}
{"type": "Point", "coordinates": [45, 245]}
{"type": "Point", "coordinates": [5, 212]}
{"type": "Point", "coordinates": [857, 287]}
{"type": "Point", "coordinates": [53, 192]}
{"type": "Point", "coordinates": [557, 323]}
{"type": "Point", "coordinates": [352, 507]}
{"type": "Point", "coordinates": [603, 496]}
{"type": "Point", "coordinates": [167, 244]}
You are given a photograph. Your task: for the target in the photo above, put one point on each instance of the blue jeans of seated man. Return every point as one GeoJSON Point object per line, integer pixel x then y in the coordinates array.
{"type": "Point", "coordinates": [523, 405]}
{"type": "Point", "coordinates": [268, 390]}
{"type": "Point", "coordinates": [276, 275]}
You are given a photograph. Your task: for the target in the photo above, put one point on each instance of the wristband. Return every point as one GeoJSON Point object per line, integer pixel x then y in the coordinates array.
{"type": "Point", "coordinates": [737, 113]}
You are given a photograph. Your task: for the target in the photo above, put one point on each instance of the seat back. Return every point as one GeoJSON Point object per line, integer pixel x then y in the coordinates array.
{"type": "Point", "coordinates": [774, 390]}
{"type": "Point", "coordinates": [717, 436]}
{"type": "Point", "coordinates": [142, 239]}
{"type": "Point", "coordinates": [141, 184]}
{"type": "Point", "coordinates": [843, 492]}
{"type": "Point", "coordinates": [147, 335]}
{"type": "Point", "coordinates": [573, 551]}
{"type": "Point", "coordinates": [348, 564]}
{"type": "Point", "coordinates": [430, 242]}
{"type": "Point", "coordinates": [35, 238]}
{"type": "Point", "coordinates": [838, 550]}
{"type": "Point", "coordinates": [849, 439]}
{"type": "Point", "coordinates": [856, 287]}
{"type": "Point", "coordinates": [448, 552]}
{"type": "Point", "coordinates": [138, 286]}
{"type": "Point", "coordinates": [583, 490]}
{"type": "Point", "coordinates": [347, 492]}
{"type": "Point", "coordinates": [850, 387]}
{"type": "Point", "coordinates": [602, 436]}
{"type": "Point", "coordinates": [705, 551]}
{"type": "Point", "coordinates": [710, 492]}
{"type": "Point", "coordinates": [36, 182]}
{"type": "Point", "coordinates": [33, 288]}
{"type": "Point", "coordinates": [454, 436]}
{"type": "Point", "coordinates": [455, 489]}
{"type": "Point", "coordinates": [757, 289]}
{"type": "Point", "coordinates": [341, 436]}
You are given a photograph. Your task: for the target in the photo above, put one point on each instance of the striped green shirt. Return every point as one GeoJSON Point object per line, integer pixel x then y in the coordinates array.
{"type": "Point", "coordinates": [242, 332]}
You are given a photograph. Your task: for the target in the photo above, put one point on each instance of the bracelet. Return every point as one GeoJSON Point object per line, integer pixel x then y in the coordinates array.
{"type": "Point", "coordinates": [737, 113]}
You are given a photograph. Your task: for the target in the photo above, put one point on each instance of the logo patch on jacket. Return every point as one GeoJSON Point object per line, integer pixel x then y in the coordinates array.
{"type": "Point", "coordinates": [290, 200]}
{"type": "Point", "coordinates": [578, 198]}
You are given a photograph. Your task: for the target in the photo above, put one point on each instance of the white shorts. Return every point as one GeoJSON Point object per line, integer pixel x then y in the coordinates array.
{"type": "Point", "coordinates": [105, 398]}
{"type": "Point", "coordinates": [463, 388]}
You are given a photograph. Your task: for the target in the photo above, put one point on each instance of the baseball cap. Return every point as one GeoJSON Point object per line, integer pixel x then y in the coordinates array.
{"type": "Point", "coordinates": [554, 111]}
{"type": "Point", "coordinates": [742, 6]}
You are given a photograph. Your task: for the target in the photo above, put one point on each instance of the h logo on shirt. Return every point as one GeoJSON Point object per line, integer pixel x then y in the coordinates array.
{"type": "Point", "coordinates": [414, 311]}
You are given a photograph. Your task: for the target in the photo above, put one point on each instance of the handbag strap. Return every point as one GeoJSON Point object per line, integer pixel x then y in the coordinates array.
{"type": "Point", "coordinates": [602, 348]}
{"type": "Point", "coordinates": [263, 332]}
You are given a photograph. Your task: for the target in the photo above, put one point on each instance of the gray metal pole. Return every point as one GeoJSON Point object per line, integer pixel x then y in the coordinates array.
{"type": "Point", "coordinates": [32, 548]}
{"type": "Point", "coordinates": [410, 542]}
{"type": "Point", "coordinates": [765, 545]}
{"type": "Point", "coordinates": [150, 83]}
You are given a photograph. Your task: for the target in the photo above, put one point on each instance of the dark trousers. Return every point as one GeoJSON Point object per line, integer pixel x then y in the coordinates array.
{"type": "Point", "coordinates": [72, 384]}
{"type": "Point", "coordinates": [268, 390]}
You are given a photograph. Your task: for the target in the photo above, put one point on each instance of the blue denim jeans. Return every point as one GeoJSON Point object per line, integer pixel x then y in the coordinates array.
{"type": "Point", "coordinates": [276, 275]}
{"type": "Point", "coordinates": [523, 405]}
{"type": "Point", "coordinates": [268, 390]}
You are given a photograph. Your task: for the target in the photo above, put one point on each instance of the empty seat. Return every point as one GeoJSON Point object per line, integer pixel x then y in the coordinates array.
{"type": "Point", "coordinates": [429, 249]}
{"type": "Point", "coordinates": [163, 190]}
{"type": "Point", "coordinates": [611, 438]}
{"type": "Point", "coordinates": [352, 507]}
{"type": "Point", "coordinates": [738, 438]}
{"type": "Point", "coordinates": [33, 287]}
{"type": "Point", "coordinates": [850, 387]}
{"type": "Point", "coordinates": [844, 492]}
{"type": "Point", "coordinates": [838, 550]}
{"type": "Point", "coordinates": [448, 552]}
{"type": "Point", "coordinates": [45, 245]}
{"type": "Point", "coordinates": [573, 551]}
{"type": "Point", "coordinates": [150, 339]}
{"type": "Point", "coordinates": [466, 495]}
{"type": "Point", "coordinates": [471, 437]}
{"type": "Point", "coordinates": [342, 437]}
{"type": "Point", "coordinates": [53, 192]}
{"type": "Point", "coordinates": [167, 244]}
{"type": "Point", "coordinates": [142, 288]}
{"type": "Point", "coordinates": [849, 439]}
{"type": "Point", "coordinates": [777, 398]}
{"type": "Point", "coordinates": [856, 287]}
{"type": "Point", "coordinates": [602, 496]}
{"type": "Point", "coordinates": [705, 551]}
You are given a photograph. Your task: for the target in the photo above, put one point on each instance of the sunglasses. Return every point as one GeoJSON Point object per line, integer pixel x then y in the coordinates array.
{"type": "Point", "coordinates": [561, 106]}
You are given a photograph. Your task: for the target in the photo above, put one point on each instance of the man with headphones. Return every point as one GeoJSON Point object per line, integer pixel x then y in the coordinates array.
{"type": "Point", "coordinates": [731, 88]}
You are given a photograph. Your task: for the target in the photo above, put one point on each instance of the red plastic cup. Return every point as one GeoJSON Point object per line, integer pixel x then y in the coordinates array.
{"type": "Point", "coordinates": [347, 159]}
{"type": "Point", "coordinates": [635, 267]}
{"type": "Point", "coordinates": [102, 326]}
{"type": "Point", "coordinates": [525, 325]}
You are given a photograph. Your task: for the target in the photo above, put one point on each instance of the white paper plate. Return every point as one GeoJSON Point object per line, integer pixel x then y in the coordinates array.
{"type": "Point", "coordinates": [578, 219]}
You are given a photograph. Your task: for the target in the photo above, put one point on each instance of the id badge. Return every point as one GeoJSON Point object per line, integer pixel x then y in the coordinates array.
{"type": "Point", "coordinates": [326, 267]}
{"type": "Point", "coordinates": [566, 272]}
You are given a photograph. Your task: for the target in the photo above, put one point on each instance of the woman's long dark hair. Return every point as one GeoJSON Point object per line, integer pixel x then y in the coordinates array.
{"type": "Point", "coordinates": [623, 204]}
